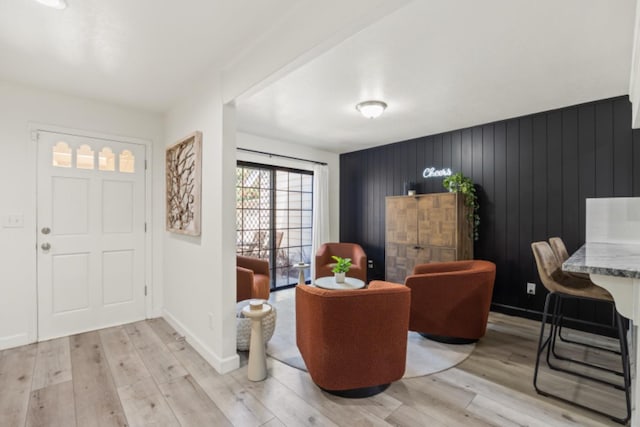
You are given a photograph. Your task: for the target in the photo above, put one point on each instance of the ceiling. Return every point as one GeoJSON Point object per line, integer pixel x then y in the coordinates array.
{"type": "Point", "coordinates": [444, 65]}
{"type": "Point", "coordinates": [439, 64]}
{"type": "Point", "coordinates": [141, 53]}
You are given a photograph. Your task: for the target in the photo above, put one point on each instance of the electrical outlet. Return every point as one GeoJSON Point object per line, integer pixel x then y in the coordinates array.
{"type": "Point", "coordinates": [531, 288]}
{"type": "Point", "coordinates": [370, 263]}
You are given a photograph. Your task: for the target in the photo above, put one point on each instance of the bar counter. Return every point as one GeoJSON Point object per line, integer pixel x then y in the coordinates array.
{"type": "Point", "coordinates": [616, 267]}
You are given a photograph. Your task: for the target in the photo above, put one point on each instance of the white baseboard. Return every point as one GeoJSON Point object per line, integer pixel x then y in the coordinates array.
{"type": "Point", "coordinates": [222, 365]}
{"type": "Point", "coordinates": [14, 341]}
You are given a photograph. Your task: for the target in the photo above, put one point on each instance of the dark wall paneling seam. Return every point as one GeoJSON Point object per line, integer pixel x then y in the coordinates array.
{"type": "Point", "coordinates": [532, 173]}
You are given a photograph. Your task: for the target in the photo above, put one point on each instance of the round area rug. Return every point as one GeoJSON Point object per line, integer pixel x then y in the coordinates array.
{"type": "Point", "coordinates": [424, 356]}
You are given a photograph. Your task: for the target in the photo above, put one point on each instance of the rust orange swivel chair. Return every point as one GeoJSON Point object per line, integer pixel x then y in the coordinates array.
{"type": "Point", "coordinates": [450, 301]}
{"type": "Point", "coordinates": [353, 342]}
{"type": "Point", "coordinates": [252, 278]}
{"type": "Point", "coordinates": [324, 262]}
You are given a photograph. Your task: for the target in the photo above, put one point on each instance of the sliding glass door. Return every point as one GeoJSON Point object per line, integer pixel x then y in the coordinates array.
{"type": "Point", "coordinates": [274, 217]}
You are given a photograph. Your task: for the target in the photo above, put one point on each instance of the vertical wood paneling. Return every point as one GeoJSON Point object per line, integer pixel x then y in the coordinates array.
{"type": "Point", "coordinates": [622, 150]}
{"type": "Point", "coordinates": [525, 206]}
{"type": "Point", "coordinates": [587, 161]}
{"type": "Point", "coordinates": [466, 152]}
{"type": "Point", "coordinates": [570, 197]}
{"type": "Point", "coordinates": [428, 161]}
{"type": "Point", "coordinates": [476, 154]}
{"type": "Point", "coordinates": [380, 188]}
{"type": "Point", "coordinates": [420, 158]}
{"type": "Point", "coordinates": [540, 177]}
{"type": "Point", "coordinates": [513, 211]}
{"type": "Point", "coordinates": [539, 214]}
{"type": "Point", "coordinates": [446, 150]}
{"type": "Point", "coordinates": [456, 150]}
{"type": "Point", "coordinates": [570, 202]}
{"type": "Point", "coordinates": [554, 174]}
{"type": "Point", "coordinates": [532, 174]}
{"type": "Point", "coordinates": [500, 173]}
{"type": "Point", "coordinates": [486, 192]}
{"type": "Point", "coordinates": [604, 149]}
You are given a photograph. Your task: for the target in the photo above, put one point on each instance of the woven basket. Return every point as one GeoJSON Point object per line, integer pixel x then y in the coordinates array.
{"type": "Point", "coordinates": [243, 337]}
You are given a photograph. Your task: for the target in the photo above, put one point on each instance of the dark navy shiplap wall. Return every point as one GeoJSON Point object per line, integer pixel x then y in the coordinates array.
{"type": "Point", "coordinates": [532, 174]}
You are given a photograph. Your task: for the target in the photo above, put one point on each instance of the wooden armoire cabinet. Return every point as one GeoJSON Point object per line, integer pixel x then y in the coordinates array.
{"type": "Point", "coordinates": [425, 228]}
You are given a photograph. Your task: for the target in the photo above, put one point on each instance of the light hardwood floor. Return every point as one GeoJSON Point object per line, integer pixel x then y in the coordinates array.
{"type": "Point", "coordinates": [144, 374]}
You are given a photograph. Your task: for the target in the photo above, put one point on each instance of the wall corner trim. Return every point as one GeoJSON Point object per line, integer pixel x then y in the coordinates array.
{"type": "Point", "coordinates": [222, 365]}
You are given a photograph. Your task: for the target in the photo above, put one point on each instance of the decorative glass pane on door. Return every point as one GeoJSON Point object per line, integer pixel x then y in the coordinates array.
{"type": "Point", "coordinates": [127, 162]}
{"type": "Point", "coordinates": [106, 160]}
{"type": "Point", "coordinates": [84, 157]}
{"type": "Point", "coordinates": [273, 218]}
{"type": "Point", "coordinates": [61, 155]}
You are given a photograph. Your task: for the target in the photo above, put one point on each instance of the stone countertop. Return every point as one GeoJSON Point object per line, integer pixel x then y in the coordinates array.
{"type": "Point", "coordinates": [609, 259]}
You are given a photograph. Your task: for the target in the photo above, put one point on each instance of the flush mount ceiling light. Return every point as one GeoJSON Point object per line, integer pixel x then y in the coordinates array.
{"type": "Point", "coordinates": [371, 109]}
{"type": "Point", "coordinates": [55, 4]}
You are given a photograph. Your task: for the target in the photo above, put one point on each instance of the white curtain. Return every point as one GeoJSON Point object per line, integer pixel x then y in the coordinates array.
{"type": "Point", "coordinates": [320, 231]}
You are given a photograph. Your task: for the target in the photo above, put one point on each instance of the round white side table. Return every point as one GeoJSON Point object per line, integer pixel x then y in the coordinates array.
{"type": "Point", "coordinates": [301, 268]}
{"type": "Point", "coordinates": [329, 282]}
{"type": "Point", "coordinates": [257, 369]}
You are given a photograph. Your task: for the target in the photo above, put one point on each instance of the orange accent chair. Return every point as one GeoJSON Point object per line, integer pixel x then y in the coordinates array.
{"type": "Point", "coordinates": [450, 301]}
{"type": "Point", "coordinates": [324, 262]}
{"type": "Point", "coordinates": [354, 342]}
{"type": "Point", "coordinates": [252, 278]}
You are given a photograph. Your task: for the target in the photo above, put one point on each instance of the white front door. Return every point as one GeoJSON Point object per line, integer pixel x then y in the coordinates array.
{"type": "Point", "coordinates": [91, 225]}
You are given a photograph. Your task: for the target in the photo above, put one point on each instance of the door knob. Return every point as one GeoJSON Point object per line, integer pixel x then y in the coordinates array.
{"type": "Point", "coordinates": [45, 246]}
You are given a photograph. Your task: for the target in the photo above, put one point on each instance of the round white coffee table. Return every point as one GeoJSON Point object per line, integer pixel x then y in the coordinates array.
{"type": "Point", "coordinates": [329, 282]}
{"type": "Point", "coordinates": [257, 368]}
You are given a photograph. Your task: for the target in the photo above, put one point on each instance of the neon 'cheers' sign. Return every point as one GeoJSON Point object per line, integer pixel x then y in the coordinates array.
{"type": "Point", "coordinates": [436, 173]}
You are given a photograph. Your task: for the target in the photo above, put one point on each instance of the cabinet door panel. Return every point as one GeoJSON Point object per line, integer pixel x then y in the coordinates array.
{"type": "Point", "coordinates": [402, 222]}
{"type": "Point", "coordinates": [429, 254]}
{"type": "Point", "coordinates": [437, 220]}
{"type": "Point", "coordinates": [399, 261]}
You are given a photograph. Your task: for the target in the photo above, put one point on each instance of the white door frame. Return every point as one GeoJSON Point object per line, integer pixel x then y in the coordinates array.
{"type": "Point", "coordinates": [34, 128]}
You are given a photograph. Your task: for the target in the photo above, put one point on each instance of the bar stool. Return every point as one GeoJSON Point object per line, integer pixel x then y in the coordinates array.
{"type": "Point", "coordinates": [560, 250]}
{"type": "Point", "coordinates": [561, 286]}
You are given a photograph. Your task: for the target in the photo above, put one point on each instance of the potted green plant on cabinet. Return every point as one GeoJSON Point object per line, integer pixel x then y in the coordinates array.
{"type": "Point", "coordinates": [458, 183]}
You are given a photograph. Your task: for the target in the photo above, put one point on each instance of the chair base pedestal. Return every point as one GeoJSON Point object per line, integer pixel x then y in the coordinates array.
{"type": "Point", "coordinates": [448, 340]}
{"type": "Point", "coordinates": [358, 393]}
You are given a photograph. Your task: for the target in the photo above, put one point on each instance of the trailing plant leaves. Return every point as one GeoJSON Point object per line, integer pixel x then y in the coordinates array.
{"type": "Point", "coordinates": [458, 183]}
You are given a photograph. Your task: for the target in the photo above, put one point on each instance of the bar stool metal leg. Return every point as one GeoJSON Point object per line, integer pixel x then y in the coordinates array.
{"type": "Point", "coordinates": [550, 342]}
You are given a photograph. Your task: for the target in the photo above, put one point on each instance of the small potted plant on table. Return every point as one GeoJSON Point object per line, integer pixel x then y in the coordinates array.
{"type": "Point", "coordinates": [340, 268]}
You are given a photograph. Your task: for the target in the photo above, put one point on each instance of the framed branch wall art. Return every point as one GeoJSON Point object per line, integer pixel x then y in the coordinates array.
{"type": "Point", "coordinates": [184, 170]}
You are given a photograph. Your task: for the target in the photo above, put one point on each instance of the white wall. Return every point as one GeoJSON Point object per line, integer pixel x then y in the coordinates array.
{"type": "Point", "coordinates": [199, 272]}
{"type": "Point", "coordinates": [269, 145]}
{"type": "Point", "coordinates": [19, 107]}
